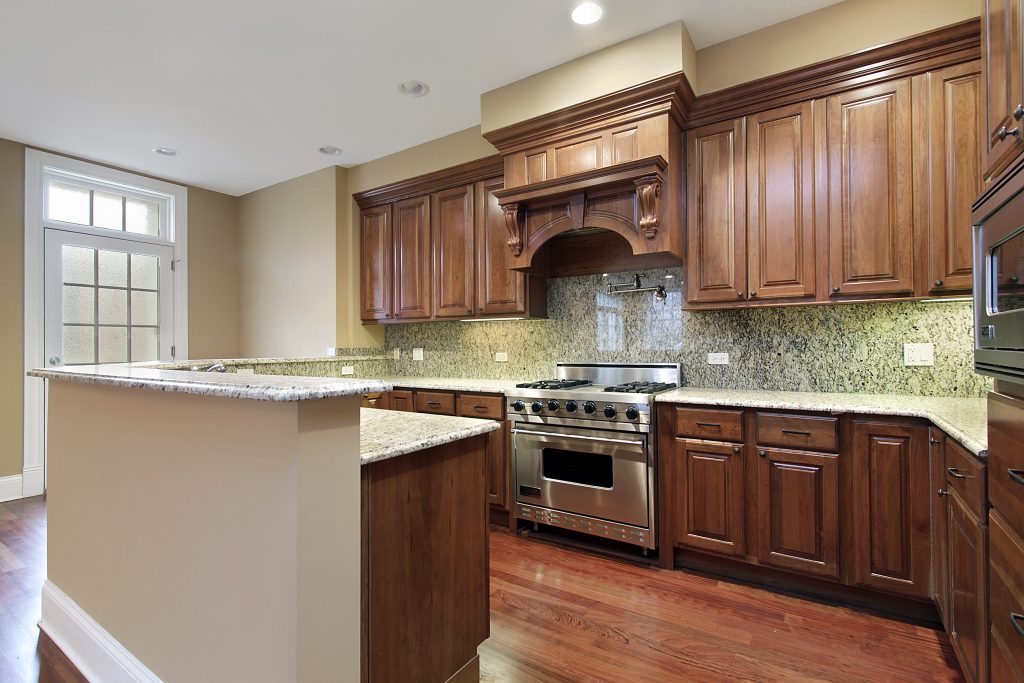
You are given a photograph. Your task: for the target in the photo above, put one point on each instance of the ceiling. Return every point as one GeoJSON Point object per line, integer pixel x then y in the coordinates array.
{"type": "Point", "coordinates": [248, 90]}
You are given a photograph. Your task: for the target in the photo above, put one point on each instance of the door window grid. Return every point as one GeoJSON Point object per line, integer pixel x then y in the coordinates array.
{"type": "Point", "coordinates": [133, 335]}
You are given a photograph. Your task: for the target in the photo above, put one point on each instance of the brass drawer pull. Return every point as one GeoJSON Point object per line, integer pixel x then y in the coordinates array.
{"type": "Point", "coordinates": [1016, 475]}
{"type": "Point", "coordinates": [796, 432]}
{"type": "Point", "coordinates": [954, 472]}
{"type": "Point", "coordinates": [1017, 620]}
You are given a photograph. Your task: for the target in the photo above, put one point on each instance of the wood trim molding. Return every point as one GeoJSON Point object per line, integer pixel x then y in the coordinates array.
{"type": "Point", "coordinates": [670, 93]}
{"type": "Point", "coordinates": [924, 52]}
{"type": "Point", "coordinates": [463, 174]}
{"type": "Point", "coordinates": [648, 169]}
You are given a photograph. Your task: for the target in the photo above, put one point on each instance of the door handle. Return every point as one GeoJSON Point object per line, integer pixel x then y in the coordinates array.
{"type": "Point", "coordinates": [1018, 622]}
{"type": "Point", "coordinates": [576, 436]}
{"type": "Point", "coordinates": [954, 472]}
{"type": "Point", "coordinates": [1016, 475]}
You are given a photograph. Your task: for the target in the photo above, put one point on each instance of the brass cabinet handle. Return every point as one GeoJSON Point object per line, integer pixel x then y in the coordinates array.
{"type": "Point", "coordinates": [1017, 620]}
{"type": "Point", "coordinates": [1016, 475]}
{"type": "Point", "coordinates": [954, 472]}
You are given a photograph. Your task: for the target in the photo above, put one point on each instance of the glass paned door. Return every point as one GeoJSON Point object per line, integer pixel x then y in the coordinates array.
{"type": "Point", "coordinates": [107, 300]}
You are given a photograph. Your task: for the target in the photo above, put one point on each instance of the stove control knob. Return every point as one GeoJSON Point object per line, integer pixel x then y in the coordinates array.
{"type": "Point", "coordinates": [537, 406]}
{"type": "Point", "coordinates": [609, 411]}
{"type": "Point", "coordinates": [552, 405]}
{"type": "Point", "coordinates": [589, 407]}
{"type": "Point", "coordinates": [571, 406]}
{"type": "Point", "coordinates": [632, 413]}
{"type": "Point", "coordinates": [518, 405]}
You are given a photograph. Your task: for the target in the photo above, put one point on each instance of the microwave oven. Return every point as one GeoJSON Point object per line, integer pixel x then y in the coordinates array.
{"type": "Point", "coordinates": [999, 289]}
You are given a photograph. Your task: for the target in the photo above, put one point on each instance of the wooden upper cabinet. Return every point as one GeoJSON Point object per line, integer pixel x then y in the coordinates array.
{"type": "Point", "coordinates": [716, 213]}
{"type": "Point", "coordinates": [798, 511]}
{"type": "Point", "coordinates": [412, 269]}
{"type": "Point", "coordinates": [871, 212]}
{"type": "Point", "coordinates": [890, 505]}
{"type": "Point", "coordinates": [1001, 51]}
{"type": "Point", "coordinates": [375, 263]}
{"type": "Point", "coordinates": [498, 289]}
{"type": "Point", "coordinates": [709, 496]}
{"type": "Point", "coordinates": [453, 233]}
{"type": "Point", "coordinates": [954, 174]}
{"type": "Point", "coordinates": [780, 203]}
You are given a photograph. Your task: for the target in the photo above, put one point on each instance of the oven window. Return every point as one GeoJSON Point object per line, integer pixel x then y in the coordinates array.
{"type": "Point", "coordinates": [1008, 266]}
{"type": "Point", "coordinates": [578, 468]}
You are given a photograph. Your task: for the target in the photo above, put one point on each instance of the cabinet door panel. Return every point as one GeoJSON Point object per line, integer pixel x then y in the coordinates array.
{"type": "Point", "coordinates": [453, 244]}
{"type": "Point", "coordinates": [871, 190]}
{"type": "Point", "coordinates": [716, 197]}
{"type": "Point", "coordinates": [711, 506]}
{"type": "Point", "coordinates": [798, 511]}
{"type": "Point", "coordinates": [1001, 51]}
{"type": "Point", "coordinates": [967, 620]}
{"type": "Point", "coordinates": [939, 501]}
{"type": "Point", "coordinates": [375, 262]}
{"type": "Point", "coordinates": [892, 545]}
{"type": "Point", "coordinates": [780, 203]}
{"type": "Point", "coordinates": [955, 174]}
{"type": "Point", "coordinates": [412, 270]}
{"type": "Point", "coordinates": [498, 448]}
{"type": "Point", "coordinates": [498, 289]}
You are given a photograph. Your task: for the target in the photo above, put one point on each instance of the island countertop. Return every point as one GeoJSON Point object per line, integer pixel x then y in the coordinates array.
{"type": "Point", "coordinates": [226, 384]}
{"type": "Point", "coordinates": [386, 434]}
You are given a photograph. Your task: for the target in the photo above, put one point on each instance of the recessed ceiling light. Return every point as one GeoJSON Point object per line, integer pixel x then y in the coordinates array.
{"type": "Point", "coordinates": [166, 151]}
{"type": "Point", "coordinates": [413, 88]}
{"type": "Point", "coordinates": [587, 13]}
{"type": "Point", "coordinates": [330, 150]}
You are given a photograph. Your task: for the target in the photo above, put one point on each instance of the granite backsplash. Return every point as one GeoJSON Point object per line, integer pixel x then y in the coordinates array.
{"type": "Point", "coordinates": [840, 348]}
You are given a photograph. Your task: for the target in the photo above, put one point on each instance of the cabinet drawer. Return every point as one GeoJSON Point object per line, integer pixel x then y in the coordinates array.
{"type": "Point", "coordinates": [1006, 587]}
{"type": "Point", "coordinates": [1006, 459]}
{"type": "Point", "coordinates": [717, 425]}
{"type": "Point", "coordinates": [437, 402]}
{"type": "Point", "coordinates": [966, 475]}
{"type": "Point", "coordinates": [800, 431]}
{"type": "Point", "coordinates": [401, 399]}
{"type": "Point", "coordinates": [482, 406]}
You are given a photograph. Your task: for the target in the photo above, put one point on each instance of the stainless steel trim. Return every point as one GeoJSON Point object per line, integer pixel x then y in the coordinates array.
{"type": "Point", "coordinates": [594, 526]}
{"type": "Point", "coordinates": [563, 435]}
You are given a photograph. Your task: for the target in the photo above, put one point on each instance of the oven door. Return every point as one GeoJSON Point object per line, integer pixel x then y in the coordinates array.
{"type": "Point", "coordinates": [589, 472]}
{"type": "Point", "coordinates": [999, 291]}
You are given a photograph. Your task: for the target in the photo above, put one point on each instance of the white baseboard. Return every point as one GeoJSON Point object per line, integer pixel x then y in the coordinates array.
{"type": "Point", "coordinates": [98, 656]}
{"type": "Point", "coordinates": [32, 481]}
{"type": "Point", "coordinates": [10, 487]}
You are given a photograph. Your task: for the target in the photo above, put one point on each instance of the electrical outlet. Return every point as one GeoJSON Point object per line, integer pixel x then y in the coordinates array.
{"type": "Point", "coordinates": [348, 370]}
{"type": "Point", "coordinates": [916, 355]}
{"type": "Point", "coordinates": [245, 371]}
{"type": "Point", "coordinates": [396, 354]}
{"type": "Point", "coordinates": [332, 351]}
{"type": "Point", "coordinates": [417, 354]}
{"type": "Point", "coordinates": [718, 359]}
{"type": "Point", "coordinates": [500, 357]}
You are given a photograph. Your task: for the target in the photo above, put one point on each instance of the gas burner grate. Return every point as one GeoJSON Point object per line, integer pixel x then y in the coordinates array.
{"type": "Point", "coordinates": [554, 384]}
{"type": "Point", "coordinates": [641, 387]}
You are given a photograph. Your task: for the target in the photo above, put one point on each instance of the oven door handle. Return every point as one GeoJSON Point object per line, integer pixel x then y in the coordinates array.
{"type": "Point", "coordinates": [552, 435]}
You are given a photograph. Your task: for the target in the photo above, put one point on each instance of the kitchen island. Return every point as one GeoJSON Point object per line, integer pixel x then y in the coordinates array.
{"type": "Point", "coordinates": [208, 527]}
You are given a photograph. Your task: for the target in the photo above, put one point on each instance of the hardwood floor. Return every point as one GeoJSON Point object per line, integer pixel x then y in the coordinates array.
{"type": "Point", "coordinates": [564, 615]}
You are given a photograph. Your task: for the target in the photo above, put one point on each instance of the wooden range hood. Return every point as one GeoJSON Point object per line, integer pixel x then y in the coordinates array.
{"type": "Point", "coordinates": [613, 163]}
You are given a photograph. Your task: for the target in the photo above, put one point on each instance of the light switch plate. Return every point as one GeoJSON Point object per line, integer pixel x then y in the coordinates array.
{"type": "Point", "coordinates": [500, 357]}
{"type": "Point", "coordinates": [348, 370]}
{"type": "Point", "coordinates": [332, 351]}
{"type": "Point", "coordinates": [417, 354]}
{"type": "Point", "coordinates": [917, 355]}
{"type": "Point", "coordinates": [718, 359]}
{"type": "Point", "coordinates": [245, 371]}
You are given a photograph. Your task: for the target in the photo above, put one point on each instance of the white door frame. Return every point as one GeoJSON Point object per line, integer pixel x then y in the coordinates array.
{"type": "Point", "coordinates": [36, 164]}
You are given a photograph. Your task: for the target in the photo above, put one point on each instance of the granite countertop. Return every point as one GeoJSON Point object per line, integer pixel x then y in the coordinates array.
{"type": "Point", "coordinates": [964, 419]}
{"type": "Point", "coordinates": [484, 386]}
{"type": "Point", "coordinates": [229, 385]}
{"type": "Point", "coordinates": [385, 434]}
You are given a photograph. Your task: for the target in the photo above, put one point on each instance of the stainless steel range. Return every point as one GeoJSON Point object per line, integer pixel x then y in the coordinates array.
{"type": "Point", "coordinates": [584, 448]}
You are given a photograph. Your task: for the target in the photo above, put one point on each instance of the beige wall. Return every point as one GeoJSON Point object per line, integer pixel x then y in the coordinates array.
{"type": "Point", "coordinates": [830, 32]}
{"type": "Point", "coordinates": [12, 298]}
{"type": "Point", "coordinates": [663, 51]}
{"type": "Point", "coordinates": [213, 290]}
{"type": "Point", "coordinates": [451, 150]}
{"type": "Point", "coordinates": [288, 271]}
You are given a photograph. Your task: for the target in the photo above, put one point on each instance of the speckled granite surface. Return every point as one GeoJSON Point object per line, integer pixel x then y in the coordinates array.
{"type": "Point", "coordinates": [964, 419]}
{"type": "Point", "coordinates": [482, 386]}
{"type": "Point", "coordinates": [385, 434]}
{"type": "Point", "coordinates": [365, 365]}
{"type": "Point", "coordinates": [226, 384]}
{"type": "Point", "coordinates": [855, 348]}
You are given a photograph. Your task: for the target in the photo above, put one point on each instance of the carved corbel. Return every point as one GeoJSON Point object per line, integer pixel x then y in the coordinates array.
{"type": "Point", "coordinates": [648, 192]}
{"type": "Point", "coordinates": [514, 227]}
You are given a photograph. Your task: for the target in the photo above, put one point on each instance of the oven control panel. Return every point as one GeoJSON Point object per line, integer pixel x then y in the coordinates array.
{"type": "Point", "coordinates": [587, 525]}
{"type": "Point", "coordinates": [578, 409]}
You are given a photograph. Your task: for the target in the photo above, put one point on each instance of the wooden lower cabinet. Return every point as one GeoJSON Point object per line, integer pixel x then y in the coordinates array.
{"type": "Point", "coordinates": [890, 507]}
{"type": "Point", "coordinates": [798, 511]}
{"type": "Point", "coordinates": [710, 496]}
{"type": "Point", "coordinates": [401, 399]}
{"type": "Point", "coordinates": [967, 617]}
{"type": "Point", "coordinates": [939, 503]}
